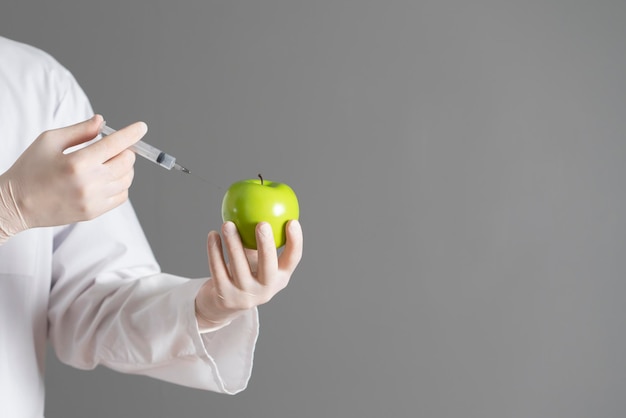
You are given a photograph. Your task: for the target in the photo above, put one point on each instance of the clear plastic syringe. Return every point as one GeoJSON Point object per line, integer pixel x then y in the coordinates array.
{"type": "Point", "coordinates": [150, 153]}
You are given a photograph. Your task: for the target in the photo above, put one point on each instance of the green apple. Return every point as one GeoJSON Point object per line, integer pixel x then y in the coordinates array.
{"type": "Point", "coordinates": [248, 202]}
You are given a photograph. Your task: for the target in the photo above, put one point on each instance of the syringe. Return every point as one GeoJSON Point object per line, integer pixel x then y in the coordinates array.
{"type": "Point", "coordinates": [149, 152]}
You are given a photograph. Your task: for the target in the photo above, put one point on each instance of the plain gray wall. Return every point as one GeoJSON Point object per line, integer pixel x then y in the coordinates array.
{"type": "Point", "coordinates": [460, 169]}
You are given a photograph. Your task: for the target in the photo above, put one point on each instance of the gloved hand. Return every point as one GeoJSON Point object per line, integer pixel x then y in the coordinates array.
{"type": "Point", "coordinates": [47, 187]}
{"type": "Point", "coordinates": [251, 278]}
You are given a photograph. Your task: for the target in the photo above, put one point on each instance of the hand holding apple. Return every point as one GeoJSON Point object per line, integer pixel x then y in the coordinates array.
{"type": "Point", "coordinates": [251, 278]}
{"type": "Point", "coordinates": [248, 202]}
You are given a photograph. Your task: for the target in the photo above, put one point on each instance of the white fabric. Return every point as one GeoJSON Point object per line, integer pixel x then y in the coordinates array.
{"type": "Point", "coordinates": [93, 289]}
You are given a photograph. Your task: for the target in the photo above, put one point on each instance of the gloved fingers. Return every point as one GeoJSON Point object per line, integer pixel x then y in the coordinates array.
{"type": "Point", "coordinates": [217, 263]}
{"type": "Point", "coordinates": [292, 253]}
{"type": "Point", "coordinates": [238, 262]}
{"type": "Point", "coordinates": [69, 136]}
{"type": "Point", "coordinates": [113, 202]}
{"type": "Point", "coordinates": [118, 185]}
{"type": "Point", "coordinates": [253, 258]}
{"type": "Point", "coordinates": [120, 165]}
{"type": "Point", "coordinates": [228, 297]}
{"type": "Point", "coordinates": [111, 145]}
{"type": "Point", "coordinates": [234, 286]}
{"type": "Point", "coordinates": [267, 266]}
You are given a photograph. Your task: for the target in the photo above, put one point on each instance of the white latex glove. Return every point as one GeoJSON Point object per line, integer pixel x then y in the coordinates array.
{"type": "Point", "coordinates": [47, 187]}
{"type": "Point", "coordinates": [251, 278]}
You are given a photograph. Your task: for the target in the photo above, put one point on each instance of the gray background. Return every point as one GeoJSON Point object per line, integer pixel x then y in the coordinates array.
{"type": "Point", "coordinates": [460, 170]}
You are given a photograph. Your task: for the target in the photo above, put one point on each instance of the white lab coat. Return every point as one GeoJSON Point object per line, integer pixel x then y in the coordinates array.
{"type": "Point", "coordinates": [93, 289]}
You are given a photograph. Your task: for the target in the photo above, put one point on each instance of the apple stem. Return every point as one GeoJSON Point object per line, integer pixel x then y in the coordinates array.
{"type": "Point", "coordinates": [261, 177]}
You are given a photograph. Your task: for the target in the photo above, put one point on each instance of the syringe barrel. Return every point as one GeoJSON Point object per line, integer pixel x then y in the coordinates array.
{"type": "Point", "coordinates": [146, 150]}
{"type": "Point", "coordinates": [153, 154]}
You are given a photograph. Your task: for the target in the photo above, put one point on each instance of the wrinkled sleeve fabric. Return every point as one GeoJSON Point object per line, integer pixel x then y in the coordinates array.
{"type": "Point", "coordinates": [111, 305]}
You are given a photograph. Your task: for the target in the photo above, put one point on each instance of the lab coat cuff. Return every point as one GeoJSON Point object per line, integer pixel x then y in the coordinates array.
{"type": "Point", "coordinates": [229, 348]}
{"type": "Point", "coordinates": [203, 330]}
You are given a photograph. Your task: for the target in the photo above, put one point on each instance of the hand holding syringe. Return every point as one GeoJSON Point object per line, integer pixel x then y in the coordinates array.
{"type": "Point", "coordinates": [149, 152]}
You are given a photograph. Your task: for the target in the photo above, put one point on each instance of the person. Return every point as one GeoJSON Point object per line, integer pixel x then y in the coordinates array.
{"type": "Point", "coordinates": [76, 269]}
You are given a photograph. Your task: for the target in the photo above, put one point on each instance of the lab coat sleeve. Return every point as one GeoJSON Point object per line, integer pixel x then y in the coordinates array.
{"type": "Point", "coordinates": [110, 305]}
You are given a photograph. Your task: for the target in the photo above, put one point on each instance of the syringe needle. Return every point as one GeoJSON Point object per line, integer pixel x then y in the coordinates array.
{"type": "Point", "coordinates": [181, 168]}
